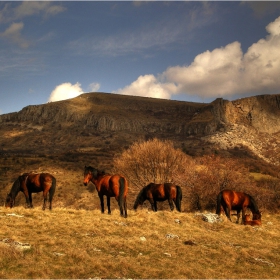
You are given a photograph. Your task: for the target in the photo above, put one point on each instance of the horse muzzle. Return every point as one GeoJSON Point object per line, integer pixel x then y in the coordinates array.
{"type": "Point", "coordinates": [85, 183]}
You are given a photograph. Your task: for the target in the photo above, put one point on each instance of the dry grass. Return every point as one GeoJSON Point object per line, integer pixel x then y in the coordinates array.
{"type": "Point", "coordinates": [70, 243]}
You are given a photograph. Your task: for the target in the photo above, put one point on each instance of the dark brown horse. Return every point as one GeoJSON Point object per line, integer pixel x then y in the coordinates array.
{"type": "Point", "coordinates": [160, 192]}
{"type": "Point", "coordinates": [29, 183]}
{"type": "Point", "coordinates": [253, 222]}
{"type": "Point", "coordinates": [110, 186]}
{"type": "Point", "coordinates": [239, 201]}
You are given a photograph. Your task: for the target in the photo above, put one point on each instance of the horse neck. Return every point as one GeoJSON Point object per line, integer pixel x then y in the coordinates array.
{"type": "Point", "coordinates": [254, 207]}
{"type": "Point", "coordinates": [15, 189]}
{"type": "Point", "coordinates": [97, 181]}
{"type": "Point", "coordinates": [140, 197]}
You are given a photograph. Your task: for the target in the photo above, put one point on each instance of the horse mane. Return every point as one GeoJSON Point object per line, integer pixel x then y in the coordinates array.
{"type": "Point", "coordinates": [139, 197]}
{"type": "Point", "coordinates": [253, 204]}
{"type": "Point", "coordinates": [15, 188]}
{"type": "Point", "coordinates": [98, 172]}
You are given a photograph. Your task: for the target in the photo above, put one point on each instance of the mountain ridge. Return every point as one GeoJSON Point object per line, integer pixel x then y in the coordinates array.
{"type": "Point", "coordinates": [110, 122]}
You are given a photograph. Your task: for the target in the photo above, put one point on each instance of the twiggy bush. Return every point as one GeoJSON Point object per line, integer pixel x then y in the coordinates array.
{"type": "Point", "coordinates": [214, 174]}
{"type": "Point", "coordinates": [153, 161]}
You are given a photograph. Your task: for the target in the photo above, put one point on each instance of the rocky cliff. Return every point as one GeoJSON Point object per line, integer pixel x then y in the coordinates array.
{"type": "Point", "coordinates": [226, 124]}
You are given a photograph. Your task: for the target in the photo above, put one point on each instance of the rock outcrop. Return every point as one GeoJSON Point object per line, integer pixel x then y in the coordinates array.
{"type": "Point", "coordinates": [221, 122]}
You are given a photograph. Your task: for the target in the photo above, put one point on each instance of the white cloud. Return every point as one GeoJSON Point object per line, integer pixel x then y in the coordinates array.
{"type": "Point", "coordinates": [93, 87]}
{"type": "Point", "coordinates": [148, 86]}
{"type": "Point", "coordinates": [222, 72]}
{"type": "Point", "coordinates": [13, 34]}
{"type": "Point", "coordinates": [213, 73]}
{"type": "Point", "coordinates": [11, 13]}
{"type": "Point", "coordinates": [65, 91]}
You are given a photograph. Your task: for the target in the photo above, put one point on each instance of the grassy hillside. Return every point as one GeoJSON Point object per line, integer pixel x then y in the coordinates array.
{"type": "Point", "coordinates": [81, 244]}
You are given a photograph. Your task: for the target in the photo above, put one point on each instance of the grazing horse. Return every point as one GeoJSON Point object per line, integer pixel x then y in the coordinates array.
{"type": "Point", "coordinates": [29, 183]}
{"type": "Point", "coordinates": [160, 192]}
{"type": "Point", "coordinates": [109, 185]}
{"type": "Point", "coordinates": [239, 201]}
{"type": "Point", "coordinates": [253, 222]}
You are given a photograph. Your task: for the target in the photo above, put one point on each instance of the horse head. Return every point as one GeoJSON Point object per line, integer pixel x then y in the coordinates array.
{"type": "Point", "coordinates": [89, 174]}
{"type": "Point", "coordinates": [10, 201]}
{"type": "Point", "coordinates": [257, 216]}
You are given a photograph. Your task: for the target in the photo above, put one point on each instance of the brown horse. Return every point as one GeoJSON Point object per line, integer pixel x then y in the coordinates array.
{"type": "Point", "coordinates": [253, 222]}
{"type": "Point", "coordinates": [109, 185]}
{"type": "Point", "coordinates": [160, 192]}
{"type": "Point", "coordinates": [29, 183]}
{"type": "Point", "coordinates": [239, 201]}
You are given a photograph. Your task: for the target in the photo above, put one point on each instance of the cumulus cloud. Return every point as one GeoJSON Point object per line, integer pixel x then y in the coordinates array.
{"type": "Point", "coordinates": [222, 72]}
{"type": "Point", "coordinates": [65, 91]}
{"type": "Point", "coordinates": [148, 86]}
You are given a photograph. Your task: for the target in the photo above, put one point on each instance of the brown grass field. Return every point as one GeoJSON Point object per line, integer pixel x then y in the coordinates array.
{"type": "Point", "coordinates": [83, 244]}
{"type": "Point", "coordinates": [76, 241]}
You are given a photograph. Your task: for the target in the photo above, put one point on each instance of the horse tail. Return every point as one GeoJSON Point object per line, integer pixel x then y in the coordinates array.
{"type": "Point", "coordinates": [179, 197]}
{"type": "Point", "coordinates": [219, 202]}
{"type": "Point", "coordinates": [122, 198]}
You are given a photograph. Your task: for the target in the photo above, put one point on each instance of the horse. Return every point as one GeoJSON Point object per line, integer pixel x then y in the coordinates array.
{"type": "Point", "coordinates": [239, 201]}
{"type": "Point", "coordinates": [253, 222]}
{"type": "Point", "coordinates": [160, 192]}
{"type": "Point", "coordinates": [110, 186]}
{"type": "Point", "coordinates": [29, 183]}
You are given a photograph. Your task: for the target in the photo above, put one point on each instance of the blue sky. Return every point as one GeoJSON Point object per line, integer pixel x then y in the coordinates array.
{"type": "Point", "coordinates": [179, 50]}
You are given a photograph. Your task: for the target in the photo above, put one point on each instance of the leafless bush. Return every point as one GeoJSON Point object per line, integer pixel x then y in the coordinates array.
{"type": "Point", "coordinates": [153, 161]}
{"type": "Point", "coordinates": [214, 174]}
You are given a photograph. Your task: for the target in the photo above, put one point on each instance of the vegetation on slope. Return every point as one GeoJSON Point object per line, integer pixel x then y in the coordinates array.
{"type": "Point", "coordinates": [81, 244]}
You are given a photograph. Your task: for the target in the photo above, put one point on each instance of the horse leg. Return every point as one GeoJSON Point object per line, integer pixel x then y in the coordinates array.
{"type": "Point", "coordinates": [108, 204]}
{"type": "Point", "coordinates": [101, 203]}
{"type": "Point", "coordinates": [153, 204]}
{"type": "Point", "coordinates": [170, 201]}
{"type": "Point", "coordinates": [50, 199]}
{"type": "Point", "coordinates": [243, 215]}
{"type": "Point", "coordinates": [30, 200]}
{"type": "Point", "coordinates": [45, 194]}
{"type": "Point", "coordinates": [27, 198]}
{"type": "Point", "coordinates": [121, 206]}
{"type": "Point", "coordinates": [125, 208]}
{"type": "Point", "coordinates": [227, 210]}
{"type": "Point", "coordinates": [238, 216]}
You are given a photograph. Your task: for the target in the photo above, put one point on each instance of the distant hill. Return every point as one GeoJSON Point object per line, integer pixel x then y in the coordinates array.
{"type": "Point", "coordinates": [62, 137]}
{"type": "Point", "coordinates": [102, 124]}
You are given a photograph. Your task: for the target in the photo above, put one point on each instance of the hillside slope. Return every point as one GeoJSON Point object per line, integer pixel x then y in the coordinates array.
{"type": "Point", "coordinates": [107, 123]}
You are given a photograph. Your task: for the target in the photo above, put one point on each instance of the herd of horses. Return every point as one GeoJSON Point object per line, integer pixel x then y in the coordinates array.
{"type": "Point", "coordinates": [117, 186]}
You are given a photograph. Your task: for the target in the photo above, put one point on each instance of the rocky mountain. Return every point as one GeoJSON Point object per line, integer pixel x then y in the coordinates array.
{"type": "Point", "coordinates": [101, 125]}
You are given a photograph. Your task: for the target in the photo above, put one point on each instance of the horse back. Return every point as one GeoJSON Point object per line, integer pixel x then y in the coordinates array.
{"type": "Point", "coordinates": [161, 191]}
{"type": "Point", "coordinates": [235, 199]}
{"type": "Point", "coordinates": [117, 182]}
{"type": "Point", "coordinates": [37, 182]}
{"type": "Point", "coordinates": [103, 186]}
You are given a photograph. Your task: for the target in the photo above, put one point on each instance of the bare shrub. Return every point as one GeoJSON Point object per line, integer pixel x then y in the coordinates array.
{"type": "Point", "coordinates": [268, 194]}
{"type": "Point", "coordinates": [213, 174]}
{"type": "Point", "coordinates": [153, 161]}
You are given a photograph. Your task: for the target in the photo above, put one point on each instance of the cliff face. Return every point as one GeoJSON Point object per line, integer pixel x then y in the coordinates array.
{"type": "Point", "coordinates": [131, 118]}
